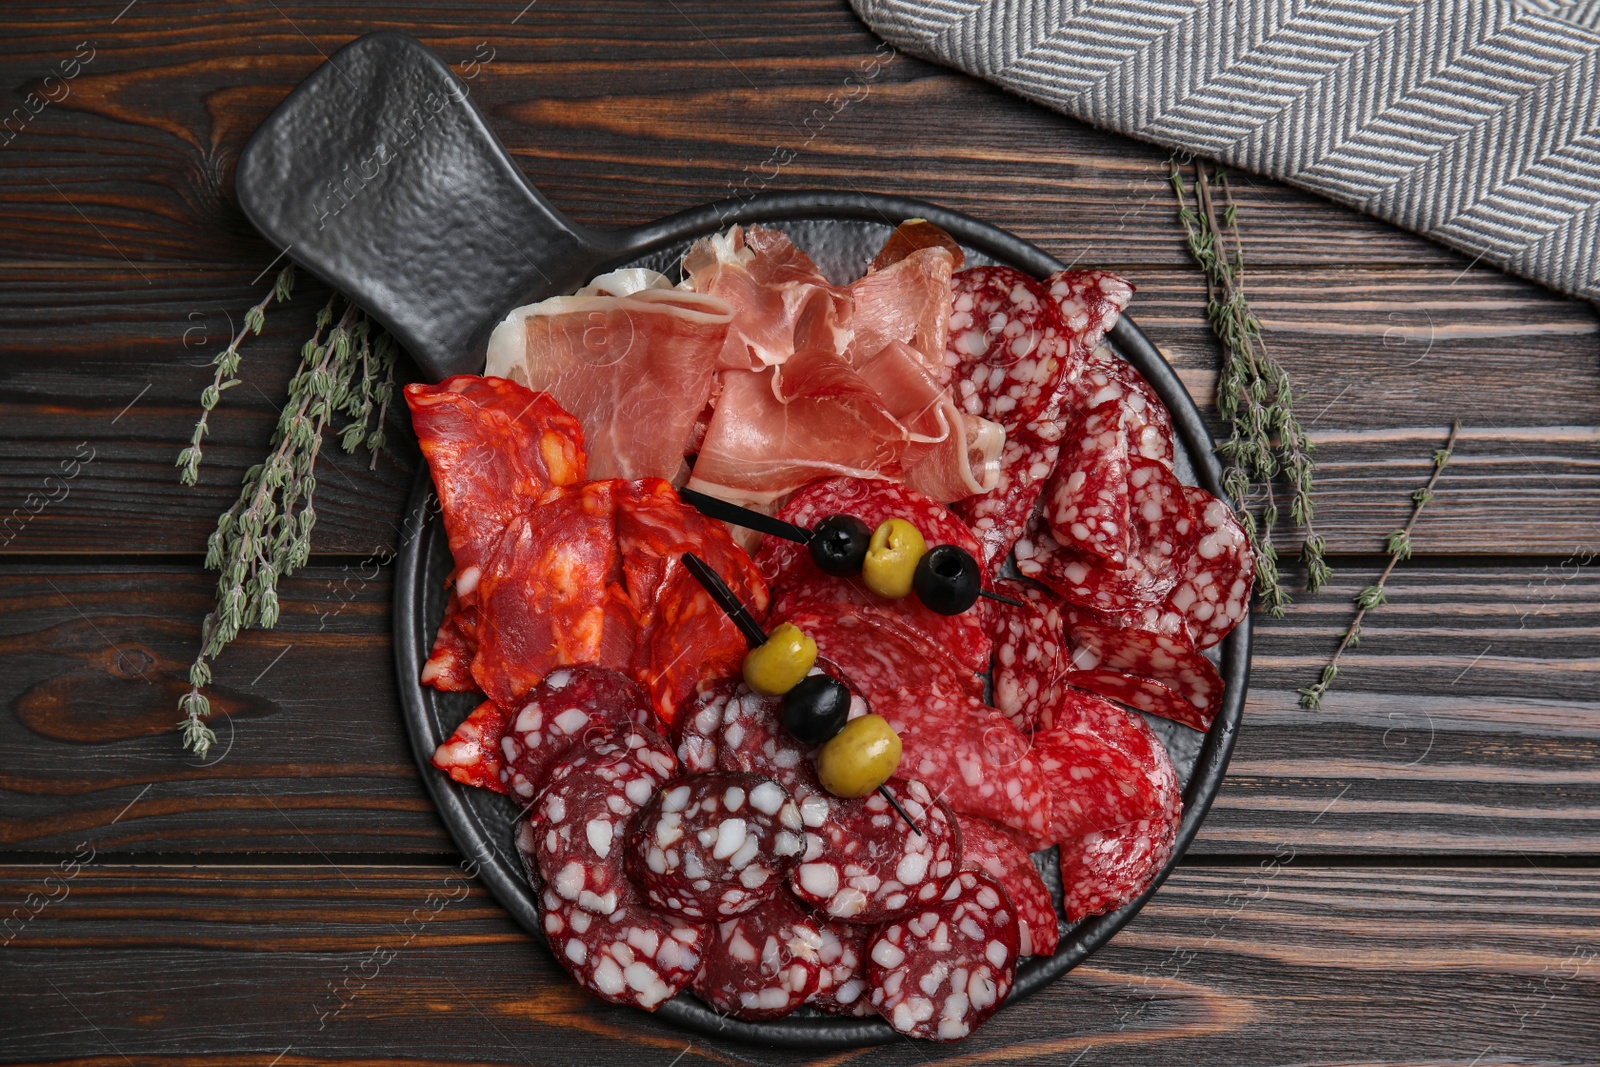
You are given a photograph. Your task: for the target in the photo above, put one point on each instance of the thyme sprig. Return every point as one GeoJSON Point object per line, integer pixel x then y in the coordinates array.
{"type": "Point", "coordinates": [344, 371]}
{"type": "Point", "coordinates": [1254, 395]}
{"type": "Point", "coordinates": [1398, 545]}
{"type": "Point", "coordinates": [227, 373]}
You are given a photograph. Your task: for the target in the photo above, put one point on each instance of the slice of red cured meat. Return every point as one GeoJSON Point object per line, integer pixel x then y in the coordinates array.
{"type": "Point", "coordinates": [716, 845]}
{"type": "Point", "coordinates": [570, 704]}
{"type": "Point", "coordinates": [971, 755]}
{"type": "Point", "coordinates": [495, 448]}
{"type": "Point", "coordinates": [762, 964]}
{"type": "Point", "coordinates": [1101, 872]}
{"type": "Point", "coordinates": [634, 956]}
{"type": "Point", "coordinates": [941, 972]}
{"type": "Point", "coordinates": [1106, 767]}
{"type": "Point", "coordinates": [449, 665]}
{"type": "Point", "coordinates": [1215, 580]}
{"type": "Point", "coordinates": [1110, 386]}
{"type": "Point", "coordinates": [1088, 303]}
{"type": "Point", "coordinates": [911, 235]}
{"type": "Point", "coordinates": [1140, 694]}
{"type": "Point", "coordinates": [842, 989]}
{"type": "Point", "coordinates": [634, 369]}
{"type": "Point", "coordinates": [907, 301]}
{"type": "Point", "coordinates": [999, 518]}
{"type": "Point", "coordinates": [992, 851]}
{"type": "Point", "coordinates": [1088, 500]}
{"type": "Point", "coordinates": [795, 579]}
{"type": "Point", "coordinates": [1163, 534]}
{"type": "Point", "coordinates": [1030, 654]}
{"type": "Point", "coordinates": [471, 755]}
{"type": "Point", "coordinates": [1100, 644]}
{"type": "Point", "coordinates": [878, 656]}
{"type": "Point", "coordinates": [582, 818]}
{"type": "Point", "coordinates": [552, 595]}
{"type": "Point", "coordinates": [872, 866]}
{"type": "Point", "coordinates": [686, 640]}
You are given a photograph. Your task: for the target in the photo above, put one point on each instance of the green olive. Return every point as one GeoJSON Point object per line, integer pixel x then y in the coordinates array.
{"type": "Point", "coordinates": [892, 556]}
{"type": "Point", "coordinates": [776, 666]}
{"type": "Point", "coordinates": [859, 758]}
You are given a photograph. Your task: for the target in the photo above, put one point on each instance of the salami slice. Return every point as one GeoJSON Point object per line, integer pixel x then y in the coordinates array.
{"type": "Point", "coordinates": [797, 585]}
{"type": "Point", "coordinates": [633, 955]}
{"type": "Point", "coordinates": [685, 639]}
{"type": "Point", "coordinates": [1140, 694]}
{"type": "Point", "coordinates": [1159, 657]}
{"type": "Point", "coordinates": [1030, 654]}
{"type": "Point", "coordinates": [1101, 872]}
{"type": "Point", "coordinates": [762, 964]}
{"type": "Point", "coordinates": [874, 867]}
{"type": "Point", "coordinates": [695, 731]}
{"type": "Point", "coordinates": [569, 703]}
{"type": "Point", "coordinates": [989, 850]}
{"type": "Point", "coordinates": [1163, 531]}
{"type": "Point", "coordinates": [941, 972]}
{"type": "Point", "coordinates": [550, 597]}
{"type": "Point", "coordinates": [449, 665]}
{"type": "Point", "coordinates": [1088, 303]}
{"type": "Point", "coordinates": [875, 656]}
{"type": "Point", "coordinates": [1107, 766]}
{"type": "Point", "coordinates": [581, 821]}
{"type": "Point", "coordinates": [471, 755]}
{"type": "Point", "coordinates": [1110, 387]}
{"type": "Point", "coordinates": [494, 448]}
{"type": "Point", "coordinates": [522, 837]}
{"type": "Point", "coordinates": [713, 846]}
{"type": "Point", "coordinates": [1006, 345]}
{"type": "Point", "coordinates": [1088, 501]}
{"type": "Point", "coordinates": [979, 763]}
{"type": "Point", "coordinates": [999, 517]}
{"type": "Point", "coordinates": [1216, 578]}
{"type": "Point", "coordinates": [842, 987]}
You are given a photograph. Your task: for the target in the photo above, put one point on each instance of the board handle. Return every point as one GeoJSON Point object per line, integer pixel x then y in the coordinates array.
{"type": "Point", "coordinates": [379, 176]}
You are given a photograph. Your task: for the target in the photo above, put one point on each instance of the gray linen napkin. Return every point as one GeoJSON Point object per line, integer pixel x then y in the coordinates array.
{"type": "Point", "coordinates": [1474, 122]}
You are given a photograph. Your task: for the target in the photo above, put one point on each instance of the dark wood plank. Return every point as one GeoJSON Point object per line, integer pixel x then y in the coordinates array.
{"type": "Point", "coordinates": [1465, 723]}
{"type": "Point", "coordinates": [1226, 965]}
{"type": "Point", "coordinates": [621, 113]}
{"type": "Point", "coordinates": [1384, 359]}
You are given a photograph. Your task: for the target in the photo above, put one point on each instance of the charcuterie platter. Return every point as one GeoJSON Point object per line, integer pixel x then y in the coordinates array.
{"type": "Point", "coordinates": [681, 684]}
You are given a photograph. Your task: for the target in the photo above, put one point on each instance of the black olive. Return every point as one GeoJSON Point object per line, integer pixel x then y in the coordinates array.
{"type": "Point", "coordinates": [947, 579]}
{"type": "Point", "coordinates": [816, 708]}
{"type": "Point", "coordinates": [839, 545]}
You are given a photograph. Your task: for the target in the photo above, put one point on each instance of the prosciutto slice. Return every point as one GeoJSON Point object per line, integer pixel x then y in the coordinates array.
{"type": "Point", "coordinates": [635, 369]}
{"type": "Point", "coordinates": [781, 301]}
{"type": "Point", "coordinates": [907, 302]}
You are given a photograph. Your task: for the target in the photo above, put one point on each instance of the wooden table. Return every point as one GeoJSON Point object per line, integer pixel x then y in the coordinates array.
{"type": "Point", "coordinates": [1408, 876]}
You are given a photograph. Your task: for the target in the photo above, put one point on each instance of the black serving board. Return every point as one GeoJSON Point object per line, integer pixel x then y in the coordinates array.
{"type": "Point", "coordinates": [379, 176]}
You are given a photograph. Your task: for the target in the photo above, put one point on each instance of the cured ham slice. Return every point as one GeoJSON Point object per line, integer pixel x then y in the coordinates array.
{"type": "Point", "coordinates": [635, 370]}
{"type": "Point", "coordinates": [907, 302]}
{"type": "Point", "coordinates": [780, 300]}
{"type": "Point", "coordinates": [495, 448]}
{"type": "Point", "coordinates": [911, 235]}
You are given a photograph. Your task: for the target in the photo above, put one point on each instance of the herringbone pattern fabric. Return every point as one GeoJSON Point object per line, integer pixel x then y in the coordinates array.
{"type": "Point", "coordinates": [1474, 122]}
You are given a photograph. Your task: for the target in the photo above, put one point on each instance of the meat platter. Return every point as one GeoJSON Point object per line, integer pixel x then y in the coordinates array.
{"type": "Point", "coordinates": [451, 184]}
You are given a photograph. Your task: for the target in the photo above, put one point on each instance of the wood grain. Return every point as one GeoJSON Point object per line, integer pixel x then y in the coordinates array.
{"type": "Point", "coordinates": [1268, 964]}
{"type": "Point", "coordinates": [622, 113]}
{"type": "Point", "coordinates": [1384, 361]}
{"type": "Point", "coordinates": [1467, 722]}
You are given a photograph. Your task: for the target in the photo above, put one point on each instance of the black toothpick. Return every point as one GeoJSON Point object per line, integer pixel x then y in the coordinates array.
{"type": "Point", "coordinates": [729, 602]}
{"type": "Point", "coordinates": [895, 804]}
{"type": "Point", "coordinates": [726, 599]}
{"type": "Point", "coordinates": [1002, 599]}
{"type": "Point", "coordinates": [714, 508]}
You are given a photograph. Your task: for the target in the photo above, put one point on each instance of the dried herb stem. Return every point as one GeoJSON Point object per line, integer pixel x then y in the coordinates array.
{"type": "Point", "coordinates": [1398, 546]}
{"type": "Point", "coordinates": [227, 372]}
{"type": "Point", "coordinates": [1254, 394]}
{"type": "Point", "coordinates": [266, 534]}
